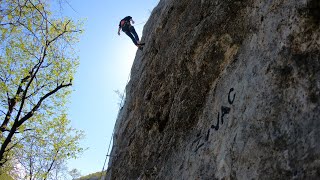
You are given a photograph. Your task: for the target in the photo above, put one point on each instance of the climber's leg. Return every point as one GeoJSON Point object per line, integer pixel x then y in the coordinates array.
{"type": "Point", "coordinates": [131, 36]}
{"type": "Point", "coordinates": [134, 33]}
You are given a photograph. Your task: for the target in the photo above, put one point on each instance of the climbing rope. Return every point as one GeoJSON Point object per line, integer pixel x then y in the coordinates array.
{"type": "Point", "coordinates": [107, 156]}
{"type": "Point", "coordinates": [140, 23]}
{"type": "Point", "coordinates": [120, 107]}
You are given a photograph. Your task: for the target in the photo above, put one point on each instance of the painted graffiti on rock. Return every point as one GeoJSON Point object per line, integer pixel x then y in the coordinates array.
{"type": "Point", "coordinates": [224, 110]}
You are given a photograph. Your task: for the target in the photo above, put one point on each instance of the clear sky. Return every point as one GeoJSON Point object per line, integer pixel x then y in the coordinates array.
{"type": "Point", "coordinates": [105, 63]}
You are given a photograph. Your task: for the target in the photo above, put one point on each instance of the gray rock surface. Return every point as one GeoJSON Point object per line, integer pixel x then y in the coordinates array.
{"type": "Point", "coordinates": [224, 89]}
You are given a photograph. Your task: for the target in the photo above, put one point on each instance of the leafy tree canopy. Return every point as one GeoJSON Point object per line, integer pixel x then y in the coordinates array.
{"type": "Point", "coordinates": [37, 65]}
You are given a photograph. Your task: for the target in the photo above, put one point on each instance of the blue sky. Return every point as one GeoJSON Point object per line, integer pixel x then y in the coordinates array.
{"type": "Point", "coordinates": [105, 63]}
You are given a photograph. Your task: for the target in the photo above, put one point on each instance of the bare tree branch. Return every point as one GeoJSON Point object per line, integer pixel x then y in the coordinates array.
{"type": "Point", "coordinates": [12, 103]}
{"type": "Point", "coordinates": [18, 123]}
{"type": "Point", "coordinates": [2, 112]}
{"type": "Point", "coordinates": [17, 132]}
{"type": "Point", "coordinates": [34, 109]}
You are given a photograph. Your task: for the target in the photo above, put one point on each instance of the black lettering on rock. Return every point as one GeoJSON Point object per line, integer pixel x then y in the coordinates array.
{"type": "Point", "coordinates": [197, 140]}
{"type": "Point", "coordinates": [198, 143]}
{"type": "Point", "coordinates": [234, 96]}
{"type": "Point", "coordinates": [195, 143]}
{"type": "Point", "coordinates": [224, 111]}
{"type": "Point", "coordinates": [208, 134]}
{"type": "Point", "coordinates": [199, 147]}
{"type": "Point", "coordinates": [217, 126]}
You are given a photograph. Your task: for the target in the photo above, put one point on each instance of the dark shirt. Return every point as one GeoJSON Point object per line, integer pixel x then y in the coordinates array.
{"type": "Point", "coordinates": [126, 19]}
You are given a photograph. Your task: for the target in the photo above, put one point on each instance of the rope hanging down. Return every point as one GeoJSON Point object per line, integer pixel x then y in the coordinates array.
{"type": "Point", "coordinates": [120, 106]}
{"type": "Point", "coordinates": [140, 23]}
{"type": "Point", "coordinates": [106, 157]}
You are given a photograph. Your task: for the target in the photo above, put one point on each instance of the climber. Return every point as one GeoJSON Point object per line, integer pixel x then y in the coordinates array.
{"type": "Point", "coordinates": [125, 25]}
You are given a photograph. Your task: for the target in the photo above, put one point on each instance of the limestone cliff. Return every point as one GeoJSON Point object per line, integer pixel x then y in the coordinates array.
{"type": "Point", "coordinates": [224, 89]}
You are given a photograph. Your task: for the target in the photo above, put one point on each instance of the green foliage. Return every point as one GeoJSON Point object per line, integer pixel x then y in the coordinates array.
{"type": "Point", "coordinates": [74, 173]}
{"type": "Point", "coordinates": [48, 146]}
{"type": "Point", "coordinates": [5, 177]}
{"type": "Point", "coordinates": [37, 65]}
{"type": "Point", "coordinates": [93, 176]}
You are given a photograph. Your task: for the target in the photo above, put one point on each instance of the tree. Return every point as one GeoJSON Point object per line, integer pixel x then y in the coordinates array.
{"type": "Point", "coordinates": [98, 176]}
{"type": "Point", "coordinates": [46, 149]}
{"type": "Point", "coordinates": [75, 173]}
{"type": "Point", "coordinates": [37, 64]}
{"type": "Point", "coordinates": [6, 177]}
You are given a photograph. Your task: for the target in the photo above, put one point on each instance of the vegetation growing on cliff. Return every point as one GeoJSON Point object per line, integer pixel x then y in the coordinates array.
{"type": "Point", "coordinates": [93, 176]}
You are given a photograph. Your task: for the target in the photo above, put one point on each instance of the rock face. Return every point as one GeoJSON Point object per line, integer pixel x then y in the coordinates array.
{"type": "Point", "coordinates": [224, 89]}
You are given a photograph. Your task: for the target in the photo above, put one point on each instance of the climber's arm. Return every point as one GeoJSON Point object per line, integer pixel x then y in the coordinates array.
{"type": "Point", "coordinates": [132, 21]}
{"type": "Point", "coordinates": [119, 31]}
